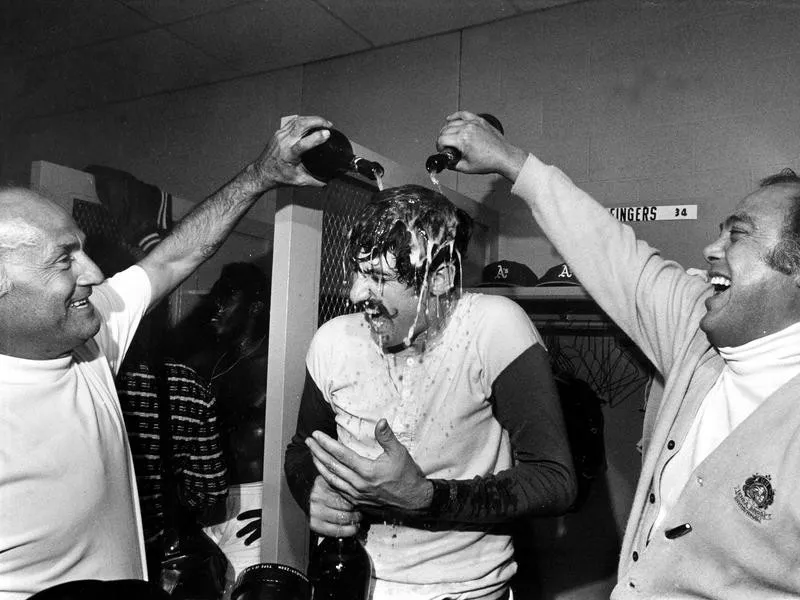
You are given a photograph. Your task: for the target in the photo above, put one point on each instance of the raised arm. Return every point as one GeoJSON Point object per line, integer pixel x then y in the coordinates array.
{"type": "Point", "coordinates": [652, 300]}
{"type": "Point", "coordinates": [200, 233]}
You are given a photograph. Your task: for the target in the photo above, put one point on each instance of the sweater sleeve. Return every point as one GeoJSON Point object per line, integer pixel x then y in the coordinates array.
{"type": "Point", "coordinates": [199, 449]}
{"type": "Point", "coordinates": [315, 414]}
{"type": "Point", "coordinates": [542, 480]}
{"type": "Point", "coordinates": [651, 299]}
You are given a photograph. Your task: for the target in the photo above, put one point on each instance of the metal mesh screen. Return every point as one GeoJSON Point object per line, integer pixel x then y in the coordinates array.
{"type": "Point", "coordinates": [342, 201]}
{"type": "Point", "coordinates": [105, 243]}
{"type": "Point", "coordinates": [95, 220]}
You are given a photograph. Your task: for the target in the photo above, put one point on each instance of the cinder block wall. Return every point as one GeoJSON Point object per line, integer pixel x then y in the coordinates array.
{"type": "Point", "coordinates": [639, 101]}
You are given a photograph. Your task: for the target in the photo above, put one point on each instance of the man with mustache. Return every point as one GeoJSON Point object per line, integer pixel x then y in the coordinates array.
{"type": "Point", "coordinates": [68, 497]}
{"type": "Point", "coordinates": [429, 421]}
{"type": "Point", "coordinates": [715, 511]}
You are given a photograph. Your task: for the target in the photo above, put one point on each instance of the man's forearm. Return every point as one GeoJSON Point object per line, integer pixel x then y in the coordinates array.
{"type": "Point", "coordinates": [203, 230]}
{"type": "Point", "coordinates": [314, 414]}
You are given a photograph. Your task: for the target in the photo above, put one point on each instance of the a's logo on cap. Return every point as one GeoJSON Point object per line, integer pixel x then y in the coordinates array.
{"type": "Point", "coordinates": [507, 273]}
{"type": "Point", "coordinates": [558, 275]}
{"type": "Point", "coordinates": [755, 496]}
{"type": "Point", "coordinates": [502, 272]}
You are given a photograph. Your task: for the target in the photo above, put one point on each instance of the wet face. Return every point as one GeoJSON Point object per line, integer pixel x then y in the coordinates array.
{"type": "Point", "coordinates": [751, 299]}
{"type": "Point", "coordinates": [391, 308]}
{"type": "Point", "coordinates": [45, 312]}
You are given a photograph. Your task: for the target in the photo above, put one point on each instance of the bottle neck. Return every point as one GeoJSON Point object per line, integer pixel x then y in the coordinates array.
{"type": "Point", "coordinates": [446, 159]}
{"type": "Point", "coordinates": [367, 168]}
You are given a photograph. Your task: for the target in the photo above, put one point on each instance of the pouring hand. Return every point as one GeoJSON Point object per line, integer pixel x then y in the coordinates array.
{"type": "Point", "coordinates": [279, 163]}
{"type": "Point", "coordinates": [483, 148]}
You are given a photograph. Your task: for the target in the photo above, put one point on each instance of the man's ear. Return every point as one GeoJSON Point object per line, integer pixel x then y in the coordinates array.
{"type": "Point", "coordinates": [443, 279]}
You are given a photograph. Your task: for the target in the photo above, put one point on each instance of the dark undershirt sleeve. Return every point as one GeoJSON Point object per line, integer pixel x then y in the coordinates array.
{"type": "Point", "coordinates": [315, 414]}
{"type": "Point", "coordinates": [542, 480]}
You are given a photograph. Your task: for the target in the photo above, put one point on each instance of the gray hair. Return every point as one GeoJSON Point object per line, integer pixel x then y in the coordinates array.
{"type": "Point", "coordinates": [785, 255]}
{"type": "Point", "coordinates": [15, 231]}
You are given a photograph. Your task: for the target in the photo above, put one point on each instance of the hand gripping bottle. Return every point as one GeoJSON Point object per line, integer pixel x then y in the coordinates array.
{"type": "Point", "coordinates": [449, 157]}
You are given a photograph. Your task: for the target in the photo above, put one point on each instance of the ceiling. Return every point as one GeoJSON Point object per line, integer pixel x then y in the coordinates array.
{"type": "Point", "coordinates": [61, 53]}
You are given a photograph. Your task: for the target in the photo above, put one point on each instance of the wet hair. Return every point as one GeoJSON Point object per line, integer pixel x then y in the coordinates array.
{"type": "Point", "coordinates": [785, 255]}
{"type": "Point", "coordinates": [414, 224]}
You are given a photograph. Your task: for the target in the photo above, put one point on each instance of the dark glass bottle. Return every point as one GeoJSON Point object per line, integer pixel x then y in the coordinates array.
{"type": "Point", "coordinates": [335, 156]}
{"type": "Point", "coordinates": [340, 569]}
{"type": "Point", "coordinates": [271, 581]}
{"type": "Point", "coordinates": [449, 157]}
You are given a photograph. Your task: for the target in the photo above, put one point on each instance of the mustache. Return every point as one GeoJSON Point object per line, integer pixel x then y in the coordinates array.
{"type": "Point", "coordinates": [375, 307]}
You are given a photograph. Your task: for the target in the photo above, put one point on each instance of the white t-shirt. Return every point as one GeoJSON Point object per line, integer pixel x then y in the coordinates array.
{"type": "Point", "coordinates": [68, 503]}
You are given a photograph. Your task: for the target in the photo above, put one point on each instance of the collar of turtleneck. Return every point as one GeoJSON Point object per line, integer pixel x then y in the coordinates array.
{"type": "Point", "coordinates": [772, 359]}
{"type": "Point", "coordinates": [26, 371]}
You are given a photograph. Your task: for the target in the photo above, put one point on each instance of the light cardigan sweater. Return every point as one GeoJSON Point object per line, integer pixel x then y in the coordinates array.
{"type": "Point", "coordinates": [742, 503]}
{"type": "Point", "coordinates": [752, 373]}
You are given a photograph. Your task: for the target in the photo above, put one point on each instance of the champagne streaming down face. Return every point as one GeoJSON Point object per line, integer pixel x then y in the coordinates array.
{"type": "Point", "coordinates": [395, 248]}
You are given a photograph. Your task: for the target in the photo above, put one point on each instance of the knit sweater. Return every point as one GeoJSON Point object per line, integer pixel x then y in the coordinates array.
{"type": "Point", "coordinates": [733, 532]}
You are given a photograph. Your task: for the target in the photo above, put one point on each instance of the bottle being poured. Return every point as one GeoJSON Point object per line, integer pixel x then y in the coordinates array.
{"type": "Point", "coordinates": [335, 156]}
{"type": "Point", "coordinates": [448, 157]}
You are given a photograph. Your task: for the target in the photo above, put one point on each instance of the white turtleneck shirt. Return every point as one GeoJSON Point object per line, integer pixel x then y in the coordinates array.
{"type": "Point", "coordinates": [752, 373]}
{"type": "Point", "coordinates": [68, 503]}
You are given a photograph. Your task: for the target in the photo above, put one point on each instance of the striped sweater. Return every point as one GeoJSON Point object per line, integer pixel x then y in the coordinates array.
{"type": "Point", "coordinates": [197, 455]}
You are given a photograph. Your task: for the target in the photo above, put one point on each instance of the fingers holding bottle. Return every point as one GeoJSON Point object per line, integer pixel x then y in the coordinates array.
{"type": "Point", "coordinates": [483, 148]}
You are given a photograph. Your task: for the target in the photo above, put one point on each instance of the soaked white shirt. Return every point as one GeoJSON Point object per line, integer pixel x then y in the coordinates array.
{"type": "Point", "coordinates": [437, 404]}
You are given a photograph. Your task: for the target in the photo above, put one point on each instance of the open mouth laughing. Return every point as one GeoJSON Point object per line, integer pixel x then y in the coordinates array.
{"type": "Point", "coordinates": [379, 319]}
{"type": "Point", "coordinates": [720, 283]}
{"type": "Point", "coordinates": [80, 303]}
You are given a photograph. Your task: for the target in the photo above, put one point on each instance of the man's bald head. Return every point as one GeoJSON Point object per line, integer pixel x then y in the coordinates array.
{"type": "Point", "coordinates": [23, 212]}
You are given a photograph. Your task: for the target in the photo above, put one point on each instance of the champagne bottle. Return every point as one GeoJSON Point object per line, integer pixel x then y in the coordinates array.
{"type": "Point", "coordinates": [340, 569]}
{"type": "Point", "coordinates": [271, 581]}
{"type": "Point", "coordinates": [335, 156]}
{"type": "Point", "coordinates": [448, 157]}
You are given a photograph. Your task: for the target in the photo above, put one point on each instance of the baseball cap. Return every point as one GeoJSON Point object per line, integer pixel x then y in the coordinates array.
{"type": "Point", "coordinates": [558, 275]}
{"type": "Point", "coordinates": [507, 273]}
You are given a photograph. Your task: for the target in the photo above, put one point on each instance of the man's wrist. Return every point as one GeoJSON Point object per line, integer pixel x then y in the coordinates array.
{"type": "Point", "coordinates": [426, 495]}
{"type": "Point", "coordinates": [256, 179]}
{"type": "Point", "coordinates": [514, 163]}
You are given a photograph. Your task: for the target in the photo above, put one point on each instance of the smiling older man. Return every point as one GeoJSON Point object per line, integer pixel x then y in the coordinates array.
{"type": "Point", "coordinates": [716, 509]}
{"type": "Point", "coordinates": [68, 507]}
